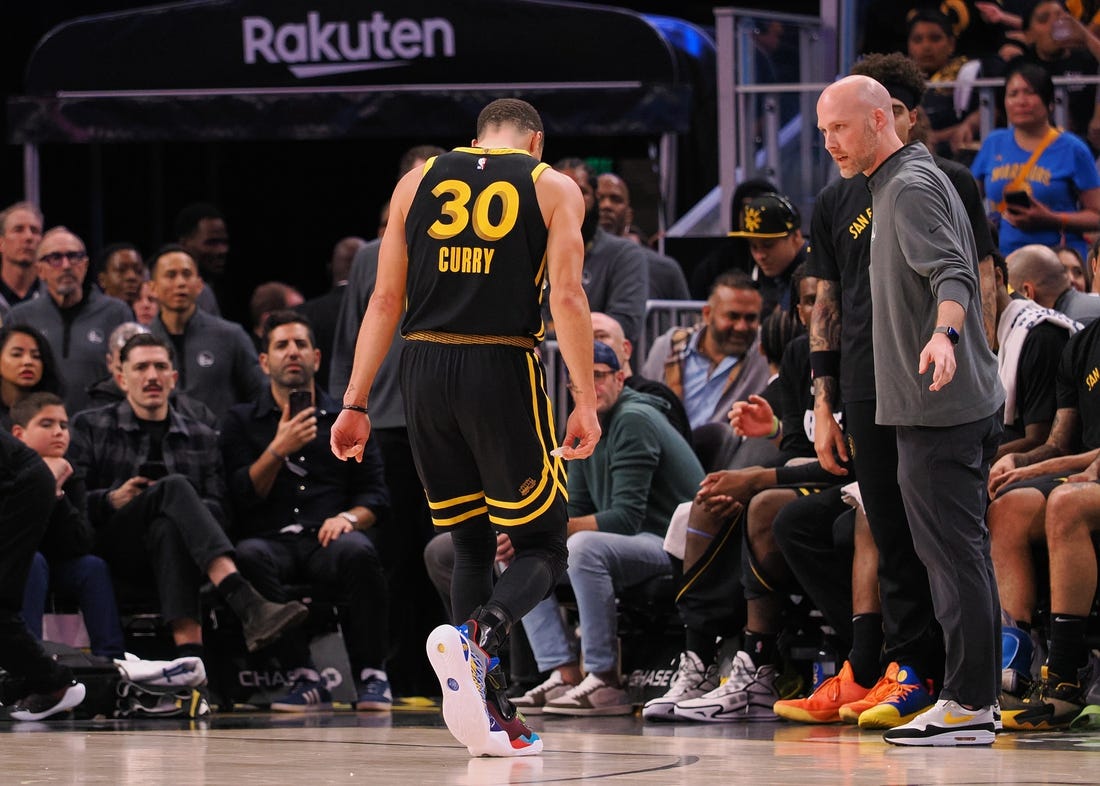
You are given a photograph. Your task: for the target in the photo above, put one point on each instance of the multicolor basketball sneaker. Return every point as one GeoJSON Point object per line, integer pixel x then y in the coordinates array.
{"type": "Point", "coordinates": [462, 668]}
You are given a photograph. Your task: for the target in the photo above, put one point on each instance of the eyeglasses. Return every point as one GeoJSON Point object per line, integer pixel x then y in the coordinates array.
{"type": "Point", "coordinates": [57, 258]}
{"type": "Point", "coordinates": [600, 376]}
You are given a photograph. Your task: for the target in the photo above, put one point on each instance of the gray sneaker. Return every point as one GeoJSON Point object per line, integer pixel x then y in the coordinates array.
{"type": "Point", "coordinates": [592, 697]}
{"type": "Point", "coordinates": [533, 701]}
{"type": "Point", "coordinates": [691, 680]}
{"type": "Point", "coordinates": [748, 694]}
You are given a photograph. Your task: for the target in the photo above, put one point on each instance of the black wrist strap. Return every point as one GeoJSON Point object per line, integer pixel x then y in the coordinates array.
{"type": "Point", "coordinates": [356, 408]}
{"type": "Point", "coordinates": [825, 363]}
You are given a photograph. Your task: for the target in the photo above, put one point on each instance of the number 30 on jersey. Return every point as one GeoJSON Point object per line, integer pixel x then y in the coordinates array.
{"type": "Point", "coordinates": [457, 212]}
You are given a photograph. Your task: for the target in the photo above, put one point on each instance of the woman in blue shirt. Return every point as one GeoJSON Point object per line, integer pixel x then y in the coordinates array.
{"type": "Point", "coordinates": [1042, 182]}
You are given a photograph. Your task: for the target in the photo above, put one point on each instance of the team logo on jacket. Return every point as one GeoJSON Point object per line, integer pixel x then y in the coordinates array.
{"type": "Point", "coordinates": [481, 162]}
{"type": "Point", "coordinates": [95, 336]}
{"type": "Point", "coordinates": [205, 359]}
{"type": "Point", "coordinates": [527, 487]}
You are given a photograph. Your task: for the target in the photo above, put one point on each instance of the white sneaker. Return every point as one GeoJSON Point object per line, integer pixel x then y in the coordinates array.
{"type": "Point", "coordinates": [748, 694]}
{"type": "Point", "coordinates": [461, 666]}
{"type": "Point", "coordinates": [533, 701]}
{"type": "Point", "coordinates": [946, 723]}
{"type": "Point", "coordinates": [690, 681]}
{"type": "Point", "coordinates": [592, 697]}
{"type": "Point", "coordinates": [39, 706]}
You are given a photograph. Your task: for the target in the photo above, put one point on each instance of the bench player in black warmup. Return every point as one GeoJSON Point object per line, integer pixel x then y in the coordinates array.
{"type": "Point", "coordinates": [473, 236]}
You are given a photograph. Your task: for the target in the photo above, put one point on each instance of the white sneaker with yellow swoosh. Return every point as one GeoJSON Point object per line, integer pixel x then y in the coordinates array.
{"type": "Point", "coordinates": [946, 723]}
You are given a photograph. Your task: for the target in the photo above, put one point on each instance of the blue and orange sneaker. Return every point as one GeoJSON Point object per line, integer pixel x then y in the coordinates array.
{"type": "Point", "coordinates": [907, 698]}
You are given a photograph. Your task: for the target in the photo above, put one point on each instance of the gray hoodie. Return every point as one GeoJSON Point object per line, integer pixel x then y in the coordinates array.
{"type": "Point", "coordinates": [922, 253]}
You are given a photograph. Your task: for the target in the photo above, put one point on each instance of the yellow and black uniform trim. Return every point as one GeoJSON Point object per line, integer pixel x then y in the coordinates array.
{"type": "Point", "coordinates": [523, 342]}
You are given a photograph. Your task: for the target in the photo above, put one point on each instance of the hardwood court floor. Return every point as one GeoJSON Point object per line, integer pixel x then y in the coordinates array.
{"type": "Point", "coordinates": [413, 747]}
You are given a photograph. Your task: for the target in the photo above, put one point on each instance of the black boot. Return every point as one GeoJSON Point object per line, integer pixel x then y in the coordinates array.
{"type": "Point", "coordinates": [263, 621]}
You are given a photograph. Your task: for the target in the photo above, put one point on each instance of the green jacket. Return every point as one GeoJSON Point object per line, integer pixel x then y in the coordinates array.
{"type": "Point", "coordinates": [640, 471]}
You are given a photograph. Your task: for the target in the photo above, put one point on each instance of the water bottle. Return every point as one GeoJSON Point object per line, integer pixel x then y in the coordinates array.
{"type": "Point", "coordinates": [824, 666]}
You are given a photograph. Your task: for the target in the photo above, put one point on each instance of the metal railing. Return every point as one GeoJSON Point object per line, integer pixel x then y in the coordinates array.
{"type": "Point", "coordinates": [660, 317]}
{"type": "Point", "coordinates": [769, 129]}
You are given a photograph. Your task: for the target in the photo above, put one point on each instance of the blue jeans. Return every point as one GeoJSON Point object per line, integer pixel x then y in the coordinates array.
{"type": "Point", "coordinates": [84, 579]}
{"type": "Point", "coordinates": [600, 565]}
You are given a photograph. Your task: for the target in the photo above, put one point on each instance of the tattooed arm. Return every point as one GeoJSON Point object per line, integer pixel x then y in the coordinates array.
{"type": "Point", "coordinates": [825, 350]}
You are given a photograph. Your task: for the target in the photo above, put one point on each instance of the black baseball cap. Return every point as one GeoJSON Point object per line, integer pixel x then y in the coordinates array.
{"type": "Point", "coordinates": [770, 215]}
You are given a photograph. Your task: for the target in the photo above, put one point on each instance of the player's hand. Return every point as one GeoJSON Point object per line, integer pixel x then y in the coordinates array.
{"type": "Point", "coordinates": [938, 352]}
{"type": "Point", "coordinates": [829, 441]}
{"type": "Point", "coordinates": [737, 484]}
{"type": "Point", "coordinates": [582, 432]}
{"type": "Point", "coordinates": [1007, 470]}
{"type": "Point", "coordinates": [1089, 474]}
{"type": "Point", "coordinates": [752, 418]}
{"type": "Point", "coordinates": [349, 435]}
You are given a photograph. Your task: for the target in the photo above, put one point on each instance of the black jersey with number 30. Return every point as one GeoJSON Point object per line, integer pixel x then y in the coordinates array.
{"type": "Point", "coordinates": [477, 245]}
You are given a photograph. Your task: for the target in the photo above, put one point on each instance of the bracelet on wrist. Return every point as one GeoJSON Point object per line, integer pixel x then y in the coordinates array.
{"type": "Point", "coordinates": [776, 425]}
{"type": "Point", "coordinates": [356, 408]}
{"type": "Point", "coordinates": [271, 450]}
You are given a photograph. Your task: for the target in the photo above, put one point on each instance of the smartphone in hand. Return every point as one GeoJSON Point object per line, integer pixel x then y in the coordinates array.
{"type": "Point", "coordinates": [153, 470]}
{"type": "Point", "coordinates": [299, 400]}
{"type": "Point", "coordinates": [1018, 198]}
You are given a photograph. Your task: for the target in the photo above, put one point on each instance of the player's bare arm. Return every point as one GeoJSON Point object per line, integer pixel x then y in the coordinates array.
{"type": "Point", "coordinates": [563, 210]}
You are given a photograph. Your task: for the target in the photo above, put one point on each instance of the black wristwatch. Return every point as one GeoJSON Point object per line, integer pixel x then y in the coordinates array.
{"type": "Point", "coordinates": [950, 332]}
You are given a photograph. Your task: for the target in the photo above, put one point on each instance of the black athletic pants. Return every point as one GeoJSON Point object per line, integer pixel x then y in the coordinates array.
{"type": "Point", "coordinates": [912, 635]}
{"type": "Point", "coordinates": [814, 533]}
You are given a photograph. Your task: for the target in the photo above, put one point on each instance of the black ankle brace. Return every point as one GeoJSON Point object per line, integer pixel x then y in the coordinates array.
{"type": "Point", "coordinates": [493, 626]}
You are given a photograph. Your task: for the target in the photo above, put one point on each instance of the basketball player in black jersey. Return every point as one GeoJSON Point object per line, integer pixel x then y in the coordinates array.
{"type": "Point", "coordinates": [472, 238]}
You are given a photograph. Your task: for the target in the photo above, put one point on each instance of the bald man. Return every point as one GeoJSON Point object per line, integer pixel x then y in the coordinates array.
{"type": "Point", "coordinates": [1037, 273]}
{"type": "Point", "coordinates": [75, 321]}
{"type": "Point", "coordinates": [608, 330]}
{"type": "Point", "coordinates": [937, 384]}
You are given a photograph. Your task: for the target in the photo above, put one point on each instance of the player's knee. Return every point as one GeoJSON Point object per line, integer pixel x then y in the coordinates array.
{"type": "Point", "coordinates": [547, 546]}
{"type": "Point", "coordinates": [1068, 509]}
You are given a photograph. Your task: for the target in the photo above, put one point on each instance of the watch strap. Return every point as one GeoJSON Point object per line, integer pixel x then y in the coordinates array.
{"type": "Point", "coordinates": [950, 332]}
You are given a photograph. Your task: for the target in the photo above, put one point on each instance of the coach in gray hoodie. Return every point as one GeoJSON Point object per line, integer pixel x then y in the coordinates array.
{"type": "Point", "coordinates": [937, 383]}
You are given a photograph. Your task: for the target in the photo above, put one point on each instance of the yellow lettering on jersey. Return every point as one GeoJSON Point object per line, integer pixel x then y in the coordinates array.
{"type": "Point", "coordinates": [1037, 174]}
{"type": "Point", "coordinates": [855, 229]}
{"type": "Point", "coordinates": [1093, 378]}
{"type": "Point", "coordinates": [465, 259]}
